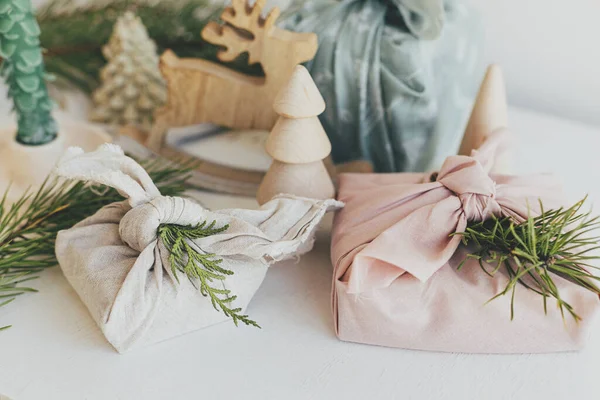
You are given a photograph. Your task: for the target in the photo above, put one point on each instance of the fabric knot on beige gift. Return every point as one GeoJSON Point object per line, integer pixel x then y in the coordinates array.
{"type": "Point", "coordinates": [139, 226]}
{"type": "Point", "coordinates": [121, 270]}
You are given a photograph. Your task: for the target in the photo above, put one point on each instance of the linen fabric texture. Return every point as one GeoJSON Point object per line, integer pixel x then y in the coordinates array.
{"type": "Point", "coordinates": [398, 76]}
{"type": "Point", "coordinates": [120, 269]}
{"type": "Point", "coordinates": [396, 281]}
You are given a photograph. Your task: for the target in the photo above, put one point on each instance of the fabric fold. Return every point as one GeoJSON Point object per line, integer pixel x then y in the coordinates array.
{"type": "Point", "coordinates": [396, 279]}
{"type": "Point", "coordinates": [398, 76]}
{"type": "Point", "coordinates": [421, 240]}
{"type": "Point", "coordinates": [121, 270]}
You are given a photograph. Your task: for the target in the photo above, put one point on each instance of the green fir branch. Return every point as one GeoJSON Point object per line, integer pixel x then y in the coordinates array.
{"type": "Point", "coordinates": [202, 269]}
{"type": "Point", "coordinates": [558, 242]}
{"type": "Point", "coordinates": [28, 227]}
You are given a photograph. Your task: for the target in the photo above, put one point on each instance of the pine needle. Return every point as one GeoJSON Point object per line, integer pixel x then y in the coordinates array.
{"type": "Point", "coordinates": [555, 243]}
{"type": "Point", "coordinates": [28, 227]}
{"type": "Point", "coordinates": [202, 269]}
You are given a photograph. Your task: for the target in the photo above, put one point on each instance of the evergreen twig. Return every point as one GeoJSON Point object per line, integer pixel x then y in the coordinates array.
{"type": "Point", "coordinates": [556, 243]}
{"type": "Point", "coordinates": [28, 227]}
{"type": "Point", "coordinates": [202, 269]}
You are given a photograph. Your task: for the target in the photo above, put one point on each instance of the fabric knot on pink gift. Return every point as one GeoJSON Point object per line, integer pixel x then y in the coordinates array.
{"type": "Point", "coordinates": [396, 281]}
{"type": "Point", "coordinates": [466, 178]}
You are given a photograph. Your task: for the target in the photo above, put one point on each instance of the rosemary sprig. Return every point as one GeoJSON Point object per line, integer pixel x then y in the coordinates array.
{"type": "Point", "coordinates": [555, 243]}
{"type": "Point", "coordinates": [28, 227]}
{"type": "Point", "coordinates": [202, 269]}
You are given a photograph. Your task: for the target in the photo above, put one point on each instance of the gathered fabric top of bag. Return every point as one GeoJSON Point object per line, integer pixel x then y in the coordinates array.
{"type": "Point", "coordinates": [123, 271]}
{"type": "Point", "coordinates": [398, 76]}
{"type": "Point", "coordinates": [109, 166]}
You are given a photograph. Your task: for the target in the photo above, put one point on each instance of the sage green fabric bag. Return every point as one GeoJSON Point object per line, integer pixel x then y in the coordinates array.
{"type": "Point", "coordinates": [398, 76]}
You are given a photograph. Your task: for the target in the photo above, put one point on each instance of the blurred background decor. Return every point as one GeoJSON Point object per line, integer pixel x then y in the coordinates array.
{"type": "Point", "coordinates": [29, 150]}
{"type": "Point", "coordinates": [74, 32]}
{"type": "Point", "coordinates": [202, 92]}
{"type": "Point", "coordinates": [132, 85]}
{"type": "Point", "coordinates": [539, 77]}
{"type": "Point", "coordinates": [398, 76]}
{"type": "Point", "coordinates": [206, 92]}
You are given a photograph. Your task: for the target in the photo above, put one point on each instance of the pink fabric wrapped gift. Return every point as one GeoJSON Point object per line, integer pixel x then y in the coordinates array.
{"type": "Point", "coordinates": [396, 281]}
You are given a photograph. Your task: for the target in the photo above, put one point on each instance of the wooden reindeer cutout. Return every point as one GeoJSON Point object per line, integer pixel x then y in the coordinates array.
{"type": "Point", "coordinates": [201, 91]}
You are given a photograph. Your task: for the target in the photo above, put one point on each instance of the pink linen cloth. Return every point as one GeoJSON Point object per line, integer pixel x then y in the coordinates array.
{"type": "Point", "coordinates": [396, 281]}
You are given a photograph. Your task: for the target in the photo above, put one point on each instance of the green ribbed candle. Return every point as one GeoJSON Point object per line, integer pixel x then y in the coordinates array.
{"type": "Point", "coordinates": [23, 70]}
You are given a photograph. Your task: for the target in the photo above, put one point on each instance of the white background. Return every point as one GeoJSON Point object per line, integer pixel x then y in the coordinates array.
{"type": "Point", "coordinates": [550, 53]}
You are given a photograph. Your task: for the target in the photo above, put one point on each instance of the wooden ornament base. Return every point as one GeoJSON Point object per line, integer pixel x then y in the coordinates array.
{"type": "Point", "coordinates": [304, 180]}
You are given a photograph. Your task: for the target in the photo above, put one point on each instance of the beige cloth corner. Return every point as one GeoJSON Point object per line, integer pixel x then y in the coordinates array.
{"type": "Point", "coordinates": [120, 269]}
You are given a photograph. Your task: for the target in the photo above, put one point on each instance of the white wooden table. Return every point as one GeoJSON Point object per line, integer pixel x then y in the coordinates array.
{"type": "Point", "coordinates": [55, 350]}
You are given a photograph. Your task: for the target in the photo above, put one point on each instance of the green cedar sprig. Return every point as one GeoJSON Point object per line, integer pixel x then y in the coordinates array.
{"type": "Point", "coordinates": [28, 227]}
{"type": "Point", "coordinates": [202, 269]}
{"type": "Point", "coordinates": [556, 243]}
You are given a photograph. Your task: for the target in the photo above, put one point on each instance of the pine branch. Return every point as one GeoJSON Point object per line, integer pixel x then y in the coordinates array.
{"type": "Point", "coordinates": [28, 227]}
{"type": "Point", "coordinates": [202, 269]}
{"type": "Point", "coordinates": [555, 243]}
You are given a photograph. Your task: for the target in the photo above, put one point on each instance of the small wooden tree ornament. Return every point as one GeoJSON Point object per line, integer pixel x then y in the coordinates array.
{"type": "Point", "coordinates": [298, 143]}
{"type": "Point", "coordinates": [489, 113]}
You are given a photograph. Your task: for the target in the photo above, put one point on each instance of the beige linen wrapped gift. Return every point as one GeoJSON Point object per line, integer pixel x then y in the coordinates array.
{"type": "Point", "coordinates": [120, 268]}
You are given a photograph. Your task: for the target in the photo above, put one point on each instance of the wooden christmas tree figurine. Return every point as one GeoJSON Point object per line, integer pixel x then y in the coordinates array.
{"type": "Point", "coordinates": [132, 86]}
{"type": "Point", "coordinates": [298, 143]}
